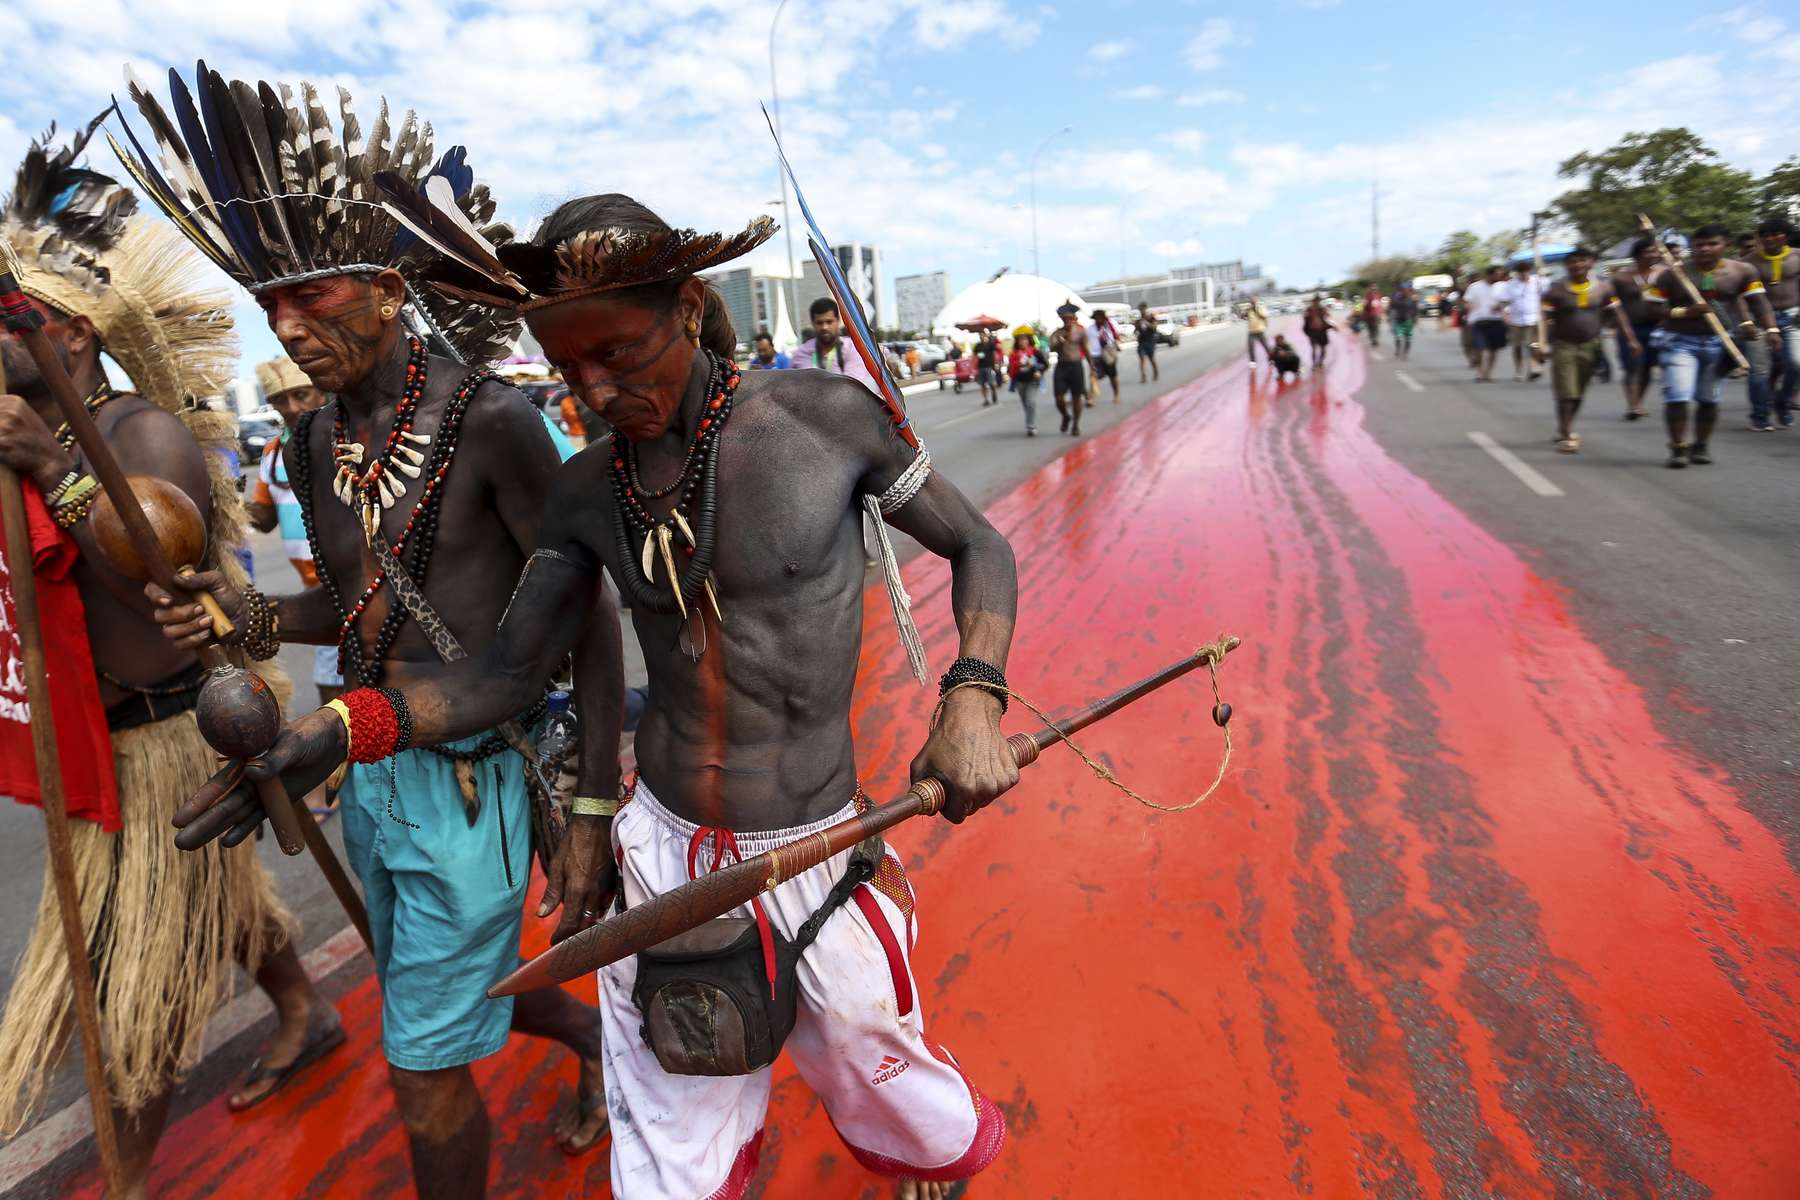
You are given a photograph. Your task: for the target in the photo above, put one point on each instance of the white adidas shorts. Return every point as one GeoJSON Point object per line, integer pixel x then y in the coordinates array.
{"type": "Point", "coordinates": [897, 1099]}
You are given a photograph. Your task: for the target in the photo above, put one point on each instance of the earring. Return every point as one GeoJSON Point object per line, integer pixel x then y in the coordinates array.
{"type": "Point", "coordinates": [387, 312]}
{"type": "Point", "coordinates": [693, 331]}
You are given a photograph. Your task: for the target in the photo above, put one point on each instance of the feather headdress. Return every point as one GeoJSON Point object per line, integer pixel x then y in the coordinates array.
{"type": "Point", "coordinates": [84, 250]}
{"type": "Point", "coordinates": [257, 177]}
{"type": "Point", "coordinates": [521, 276]}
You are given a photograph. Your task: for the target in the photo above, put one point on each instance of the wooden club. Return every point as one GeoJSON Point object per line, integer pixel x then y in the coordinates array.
{"type": "Point", "coordinates": [1680, 272]}
{"type": "Point", "coordinates": [718, 892]}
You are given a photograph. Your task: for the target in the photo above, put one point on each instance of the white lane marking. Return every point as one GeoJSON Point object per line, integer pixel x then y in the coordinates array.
{"type": "Point", "coordinates": [50, 1138]}
{"type": "Point", "coordinates": [968, 416]}
{"type": "Point", "coordinates": [1523, 471]}
{"type": "Point", "coordinates": [1376, 355]}
{"type": "Point", "coordinates": [1409, 381]}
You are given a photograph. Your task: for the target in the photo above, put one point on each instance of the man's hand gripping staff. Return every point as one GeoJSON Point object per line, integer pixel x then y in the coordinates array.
{"type": "Point", "coordinates": [719, 892]}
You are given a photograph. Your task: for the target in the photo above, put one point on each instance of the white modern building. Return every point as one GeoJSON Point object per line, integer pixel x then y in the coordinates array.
{"type": "Point", "coordinates": [1165, 294]}
{"type": "Point", "coordinates": [1014, 299]}
{"type": "Point", "coordinates": [918, 299]}
{"type": "Point", "coordinates": [756, 301]}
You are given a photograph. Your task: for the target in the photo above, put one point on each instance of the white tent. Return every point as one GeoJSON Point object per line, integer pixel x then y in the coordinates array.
{"type": "Point", "coordinates": [1015, 299]}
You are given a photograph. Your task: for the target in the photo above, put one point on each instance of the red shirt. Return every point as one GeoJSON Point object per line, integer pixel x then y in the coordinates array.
{"type": "Point", "coordinates": [84, 745]}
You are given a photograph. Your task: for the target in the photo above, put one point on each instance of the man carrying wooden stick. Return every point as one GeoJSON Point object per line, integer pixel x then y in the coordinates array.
{"type": "Point", "coordinates": [729, 510]}
{"type": "Point", "coordinates": [163, 928]}
{"type": "Point", "coordinates": [1691, 340]}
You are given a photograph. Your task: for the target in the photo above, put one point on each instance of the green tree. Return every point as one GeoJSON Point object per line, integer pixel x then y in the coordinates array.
{"type": "Point", "coordinates": [1389, 271]}
{"type": "Point", "coordinates": [1460, 252]}
{"type": "Point", "coordinates": [1779, 192]}
{"type": "Point", "coordinates": [1670, 174]}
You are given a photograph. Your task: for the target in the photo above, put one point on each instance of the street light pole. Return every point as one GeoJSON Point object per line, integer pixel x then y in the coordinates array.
{"type": "Point", "coordinates": [787, 224]}
{"type": "Point", "coordinates": [1037, 277]}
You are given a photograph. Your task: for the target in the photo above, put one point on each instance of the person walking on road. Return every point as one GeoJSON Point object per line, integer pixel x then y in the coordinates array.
{"type": "Point", "coordinates": [1103, 353]}
{"type": "Point", "coordinates": [1778, 267]}
{"type": "Point", "coordinates": [1068, 383]}
{"type": "Point", "coordinates": [1316, 324]}
{"type": "Point", "coordinates": [1578, 308]}
{"type": "Point", "coordinates": [1523, 296]}
{"type": "Point", "coordinates": [1372, 316]}
{"type": "Point", "coordinates": [1256, 331]}
{"type": "Point", "coordinates": [989, 367]}
{"type": "Point", "coordinates": [1482, 309]}
{"type": "Point", "coordinates": [1690, 347]}
{"type": "Point", "coordinates": [1145, 328]}
{"type": "Point", "coordinates": [1026, 365]}
{"type": "Point", "coordinates": [1403, 315]}
{"type": "Point", "coordinates": [1629, 282]}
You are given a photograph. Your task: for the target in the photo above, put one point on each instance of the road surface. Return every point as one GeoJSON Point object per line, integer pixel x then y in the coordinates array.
{"type": "Point", "coordinates": [1495, 899]}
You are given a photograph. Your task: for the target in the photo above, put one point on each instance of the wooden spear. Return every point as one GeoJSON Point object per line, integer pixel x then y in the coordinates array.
{"type": "Point", "coordinates": [56, 821]}
{"type": "Point", "coordinates": [718, 892]}
{"type": "Point", "coordinates": [1675, 267]}
{"type": "Point", "coordinates": [291, 831]}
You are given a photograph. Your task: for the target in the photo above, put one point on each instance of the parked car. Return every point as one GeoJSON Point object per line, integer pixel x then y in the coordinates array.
{"type": "Point", "coordinates": [1168, 333]}
{"type": "Point", "coordinates": [255, 431]}
{"type": "Point", "coordinates": [930, 355]}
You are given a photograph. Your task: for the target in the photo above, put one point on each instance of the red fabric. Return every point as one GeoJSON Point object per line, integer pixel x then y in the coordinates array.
{"type": "Point", "coordinates": [374, 728]}
{"type": "Point", "coordinates": [984, 1147]}
{"type": "Point", "coordinates": [871, 911]}
{"type": "Point", "coordinates": [742, 1168]}
{"type": "Point", "coordinates": [84, 745]}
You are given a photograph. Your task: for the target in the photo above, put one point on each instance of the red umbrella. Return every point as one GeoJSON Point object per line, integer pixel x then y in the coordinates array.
{"type": "Point", "coordinates": [981, 323]}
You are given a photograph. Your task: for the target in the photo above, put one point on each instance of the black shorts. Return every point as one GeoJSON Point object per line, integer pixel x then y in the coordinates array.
{"type": "Point", "coordinates": [1069, 379]}
{"type": "Point", "coordinates": [1147, 348]}
{"type": "Point", "coordinates": [1489, 335]}
{"type": "Point", "coordinates": [1318, 337]}
{"type": "Point", "coordinates": [1104, 369]}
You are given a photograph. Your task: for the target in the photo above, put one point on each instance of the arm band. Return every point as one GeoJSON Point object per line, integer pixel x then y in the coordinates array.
{"type": "Point", "coordinates": [592, 806]}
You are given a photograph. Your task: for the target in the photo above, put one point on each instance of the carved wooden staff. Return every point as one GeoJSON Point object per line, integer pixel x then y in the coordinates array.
{"type": "Point", "coordinates": [56, 822]}
{"type": "Point", "coordinates": [1674, 265]}
{"type": "Point", "coordinates": [236, 711]}
{"type": "Point", "coordinates": [718, 892]}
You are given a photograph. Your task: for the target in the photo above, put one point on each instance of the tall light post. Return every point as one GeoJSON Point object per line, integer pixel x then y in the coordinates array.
{"type": "Point", "coordinates": [1037, 276]}
{"type": "Point", "coordinates": [787, 224]}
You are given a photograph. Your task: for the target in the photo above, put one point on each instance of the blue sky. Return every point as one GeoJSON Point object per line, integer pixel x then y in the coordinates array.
{"type": "Point", "coordinates": [1197, 131]}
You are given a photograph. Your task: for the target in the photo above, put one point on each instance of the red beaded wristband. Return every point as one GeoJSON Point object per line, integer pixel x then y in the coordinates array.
{"type": "Point", "coordinates": [374, 727]}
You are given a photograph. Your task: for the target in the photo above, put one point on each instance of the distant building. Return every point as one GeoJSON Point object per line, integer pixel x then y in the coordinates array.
{"type": "Point", "coordinates": [1230, 279]}
{"type": "Point", "coordinates": [861, 265]}
{"type": "Point", "coordinates": [1167, 294]}
{"type": "Point", "coordinates": [918, 299]}
{"type": "Point", "coordinates": [756, 301]}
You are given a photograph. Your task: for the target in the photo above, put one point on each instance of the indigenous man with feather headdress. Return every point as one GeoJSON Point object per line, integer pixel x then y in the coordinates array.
{"type": "Point", "coordinates": [164, 927]}
{"type": "Point", "coordinates": [421, 482]}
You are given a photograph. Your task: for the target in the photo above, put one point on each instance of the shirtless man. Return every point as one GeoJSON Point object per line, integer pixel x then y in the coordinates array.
{"type": "Point", "coordinates": [1628, 283]}
{"type": "Point", "coordinates": [453, 472]}
{"type": "Point", "coordinates": [1578, 308]}
{"type": "Point", "coordinates": [1692, 353]}
{"type": "Point", "coordinates": [1772, 389]}
{"type": "Point", "coordinates": [1069, 378]}
{"type": "Point", "coordinates": [121, 284]}
{"type": "Point", "coordinates": [748, 724]}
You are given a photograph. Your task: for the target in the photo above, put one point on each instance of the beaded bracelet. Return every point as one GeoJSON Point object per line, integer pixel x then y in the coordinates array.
{"type": "Point", "coordinates": [374, 725]}
{"type": "Point", "coordinates": [592, 806]}
{"type": "Point", "coordinates": [402, 716]}
{"type": "Point", "coordinates": [55, 495]}
{"type": "Point", "coordinates": [75, 507]}
{"type": "Point", "coordinates": [986, 676]}
{"type": "Point", "coordinates": [261, 630]}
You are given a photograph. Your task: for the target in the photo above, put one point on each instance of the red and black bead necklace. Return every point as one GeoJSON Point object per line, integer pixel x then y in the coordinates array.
{"type": "Point", "coordinates": [383, 484]}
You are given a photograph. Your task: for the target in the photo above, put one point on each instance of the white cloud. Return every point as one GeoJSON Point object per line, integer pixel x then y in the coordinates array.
{"type": "Point", "coordinates": [1108, 51]}
{"type": "Point", "coordinates": [1205, 51]}
{"type": "Point", "coordinates": [1191, 140]}
{"type": "Point", "coordinates": [1185, 248]}
{"type": "Point", "coordinates": [1143, 91]}
{"type": "Point", "coordinates": [1210, 96]}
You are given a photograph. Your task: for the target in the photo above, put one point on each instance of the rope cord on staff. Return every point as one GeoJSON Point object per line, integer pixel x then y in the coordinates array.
{"type": "Point", "coordinates": [1215, 654]}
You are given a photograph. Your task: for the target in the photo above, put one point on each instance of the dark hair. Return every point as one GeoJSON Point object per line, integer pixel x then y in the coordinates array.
{"type": "Point", "coordinates": [766, 336]}
{"type": "Point", "coordinates": [1642, 244]}
{"type": "Point", "coordinates": [1776, 225]}
{"type": "Point", "coordinates": [1579, 252]}
{"type": "Point", "coordinates": [821, 306]}
{"type": "Point", "coordinates": [615, 210]}
{"type": "Point", "coordinates": [1713, 230]}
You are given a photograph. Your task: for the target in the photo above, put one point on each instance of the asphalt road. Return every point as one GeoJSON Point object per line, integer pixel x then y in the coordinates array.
{"type": "Point", "coordinates": [984, 450]}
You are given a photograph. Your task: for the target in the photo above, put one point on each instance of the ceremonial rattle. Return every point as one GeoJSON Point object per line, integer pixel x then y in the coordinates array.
{"type": "Point", "coordinates": [175, 520]}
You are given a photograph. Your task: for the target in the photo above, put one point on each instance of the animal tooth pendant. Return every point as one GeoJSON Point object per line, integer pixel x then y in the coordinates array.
{"type": "Point", "coordinates": [391, 489]}
{"type": "Point", "coordinates": [681, 524]}
{"type": "Point", "coordinates": [649, 563]}
{"type": "Point", "coordinates": [349, 454]}
{"type": "Point", "coordinates": [713, 596]}
{"type": "Point", "coordinates": [665, 540]}
{"type": "Point", "coordinates": [346, 491]}
{"type": "Point", "coordinates": [405, 468]}
{"type": "Point", "coordinates": [401, 450]}
{"type": "Point", "coordinates": [417, 439]}
{"type": "Point", "coordinates": [371, 520]}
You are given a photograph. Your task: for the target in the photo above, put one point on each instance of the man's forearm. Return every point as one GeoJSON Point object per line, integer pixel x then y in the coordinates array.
{"type": "Point", "coordinates": [308, 617]}
{"type": "Point", "coordinates": [600, 700]}
{"type": "Point", "coordinates": [984, 594]}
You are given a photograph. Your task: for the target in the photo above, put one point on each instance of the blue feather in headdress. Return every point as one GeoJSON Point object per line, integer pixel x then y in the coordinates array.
{"type": "Point", "coordinates": [856, 324]}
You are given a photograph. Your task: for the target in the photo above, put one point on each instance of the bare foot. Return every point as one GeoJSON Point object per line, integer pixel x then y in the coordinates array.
{"type": "Point", "coordinates": [306, 1033]}
{"type": "Point", "coordinates": [919, 1189]}
{"type": "Point", "coordinates": [583, 1123]}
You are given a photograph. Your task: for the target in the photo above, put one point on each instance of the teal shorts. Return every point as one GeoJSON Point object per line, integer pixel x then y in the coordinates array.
{"type": "Point", "coordinates": [445, 900]}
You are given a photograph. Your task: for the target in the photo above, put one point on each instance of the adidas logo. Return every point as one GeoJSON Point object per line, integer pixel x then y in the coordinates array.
{"type": "Point", "coordinates": [889, 1068]}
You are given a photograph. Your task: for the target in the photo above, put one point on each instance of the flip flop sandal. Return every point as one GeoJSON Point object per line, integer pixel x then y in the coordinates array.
{"type": "Point", "coordinates": [585, 1109]}
{"type": "Point", "coordinates": [309, 1054]}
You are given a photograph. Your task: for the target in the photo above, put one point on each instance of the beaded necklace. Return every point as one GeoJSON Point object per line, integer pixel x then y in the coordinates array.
{"type": "Point", "coordinates": [643, 540]}
{"type": "Point", "coordinates": [65, 433]}
{"type": "Point", "coordinates": [382, 484]}
{"type": "Point", "coordinates": [417, 537]}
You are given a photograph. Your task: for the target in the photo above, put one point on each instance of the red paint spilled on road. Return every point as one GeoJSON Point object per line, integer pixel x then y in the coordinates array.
{"type": "Point", "coordinates": [1460, 921]}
